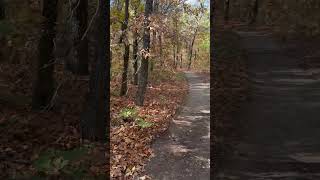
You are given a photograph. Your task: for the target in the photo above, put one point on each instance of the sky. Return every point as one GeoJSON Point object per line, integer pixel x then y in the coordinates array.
{"type": "Point", "coordinates": [193, 2]}
{"type": "Point", "coordinates": [196, 2]}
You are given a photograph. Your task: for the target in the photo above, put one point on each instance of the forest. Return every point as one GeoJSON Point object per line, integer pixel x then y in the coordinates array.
{"type": "Point", "coordinates": [86, 87]}
{"type": "Point", "coordinates": [148, 83]}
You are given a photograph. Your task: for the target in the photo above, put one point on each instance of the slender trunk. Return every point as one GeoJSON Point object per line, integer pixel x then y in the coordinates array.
{"type": "Point", "coordinates": [135, 59]}
{"type": "Point", "coordinates": [191, 48]}
{"type": "Point", "coordinates": [43, 84]}
{"type": "Point", "coordinates": [154, 44]}
{"type": "Point", "coordinates": [174, 54]}
{"type": "Point", "coordinates": [143, 73]}
{"type": "Point", "coordinates": [160, 49]}
{"type": "Point", "coordinates": [190, 58]}
{"type": "Point", "coordinates": [177, 54]}
{"type": "Point", "coordinates": [226, 10]}
{"type": "Point", "coordinates": [154, 35]}
{"type": "Point", "coordinates": [124, 83]}
{"type": "Point", "coordinates": [124, 39]}
{"type": "Point", "coordinates": [125, 22]}
{"type": "Point", "coordinates": [176, 44]}
{"type": "Point", "coordinates": [181, 61]}
{"type": "Point", "coordinates": [151, 65]}
{"type": "Point", "coordinates": [254, 10]}
{"type": "Point", "coordinates": [135, 49]}
{"type": "Point", "coordinates": [82, 45]}
{"type": "Point", "coordinates": [2, 10]}
{"type": "Point", "coordinates": [95, 116]}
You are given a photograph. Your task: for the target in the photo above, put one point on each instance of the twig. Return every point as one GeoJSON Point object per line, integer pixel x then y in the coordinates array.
{"type": "Point", "coordinates": [53, 98]}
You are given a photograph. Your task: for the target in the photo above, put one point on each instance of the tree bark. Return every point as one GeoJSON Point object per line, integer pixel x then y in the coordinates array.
{"type": "Point", "coordinates": [160, 48]}
{"type": "Point", "coordinates": [226, 10]}
{"type": "Point", "coordinates": [2, 10]}
{"type": "Point", "coordinates": [135, 59]}
{"type": "Point", "coordinates": [124, 82]}
{"type": "Point", "coordinates": [154, 47]}
{"type": "Point", "coordinates": [181, 61]}
{"type": "Point", "coordinates": [125, 22]}
{"type": "Point", "coordinates": [135, 50]}
{"type": "Point", "coordinates": [43, 82]}
{"type": "Point", "coordinates": [254, 10]}
{"type": "Point", "coordinates": [174, 54]}
{"type": "Point", "coordinates": [143, 73]}
{"type": "Point", "coordinates": [191, 48]}
{"type": "Point", "coordinates": [96, 115]}
{"type": "Point", "coordinates": [82, 45]}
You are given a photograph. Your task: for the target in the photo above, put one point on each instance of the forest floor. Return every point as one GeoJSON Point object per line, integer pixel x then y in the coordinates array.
{"type": "Point", "coordinates": [133, 128]}
{"type": "Point", "coordinates": [278, 137]}
{"type": "Point", "coordinates": [38, 144]}
{"type": "Point", "coordinates": [183, 152]}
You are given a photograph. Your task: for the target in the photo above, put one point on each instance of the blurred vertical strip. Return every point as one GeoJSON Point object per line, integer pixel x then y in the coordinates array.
{"type": "Point", "coordinates": [212, 21]}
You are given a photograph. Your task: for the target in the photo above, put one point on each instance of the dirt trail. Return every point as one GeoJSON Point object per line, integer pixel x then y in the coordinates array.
{"type": "Point", "coordinates": [280, 139]}
{"type": "Point", "coordinates": [183, 153]}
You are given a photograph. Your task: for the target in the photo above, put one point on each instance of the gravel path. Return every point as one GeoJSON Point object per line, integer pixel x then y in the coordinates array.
{"type": "Point", "coordinates": [183, 153]}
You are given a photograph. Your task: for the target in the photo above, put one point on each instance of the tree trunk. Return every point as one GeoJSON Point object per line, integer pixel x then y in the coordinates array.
{"type": "Point", "coordinates": [190, 58]}
{"type": "Point", "coordinates": [96, 115]}
{"type": "Point", "coordinates": [135, 59]}
{"type": "Point", "coordinates": [124, 82]}
{"type": "Point", "coordinates": [177, 55]}
{"type": "Point", "coordinates": [181, 61]}
{"type": "Point", "coordinates": [82, 45]}
{"type": "Point", "coordinates": [154, 46]}
{"type": "Point", "coordinates": [160, 48]}
{"type": "Point", "coordinates": [125, 22]}
{"type": "Point", "coordinates": [135, 49]}
{"type": "Point", "coordinates": [174, 54]}
{"type": "Point", "coordinates": [43, 84]}
{"type": "Point", "coordinates": [143, 73]}
{"type": "Point", "coordinates": [2, 10]}
{"type": "Point", "coordinates": [254, 10]}
{"type": "Point", "coordinates": [191, 48]}
{"type": "Point", "coordinates": [226, 10]}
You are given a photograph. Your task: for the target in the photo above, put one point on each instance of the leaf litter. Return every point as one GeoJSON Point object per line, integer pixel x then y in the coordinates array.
{"type": "Point", "coordinates": [131, 142]}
